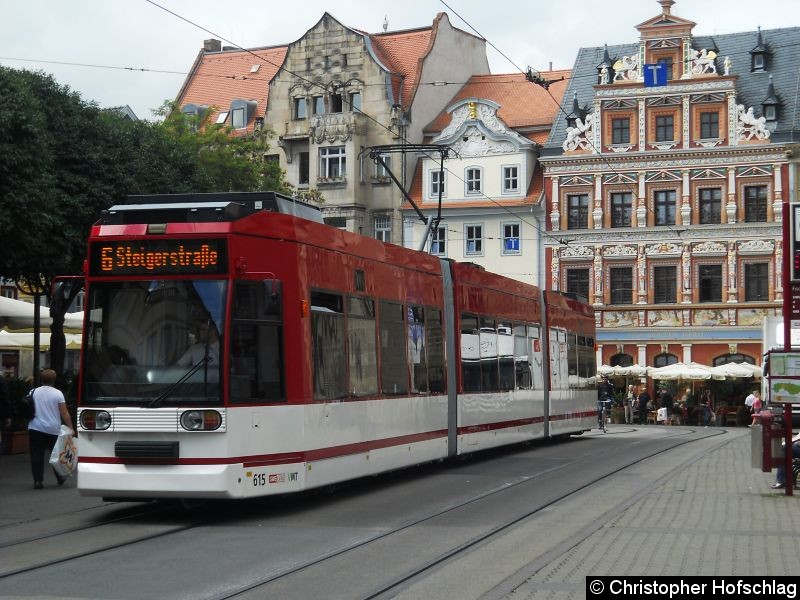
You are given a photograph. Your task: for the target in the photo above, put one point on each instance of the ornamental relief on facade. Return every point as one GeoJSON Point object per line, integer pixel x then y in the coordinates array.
{"type": "Point", "coordinates": [753, 316]}
{"type": "Point", "coordinates": [664, 318]}
{"type": "Point", "coordinates": [619, 251]}
{"type": "Point", "coordinates": [673, 163]}
{"type": "Point", "coordinates": [715, 85]}
{"type": "Point", "coordinates": [475, 143]}
{"type": "Point", "coordinates": [663, 250]}
{"type": "Point", "coordinates": [709, 247]}
{"type": "Point", "coordinates": [331, 128]}
{"type": "Point", "coordinates": [710, 317]}
{"type": "Point", "coordinates": [756, 247]}
{"type": "Point", "coordinates": [577, 252]}
{"type": "Point", "coordinates": [620, 318]}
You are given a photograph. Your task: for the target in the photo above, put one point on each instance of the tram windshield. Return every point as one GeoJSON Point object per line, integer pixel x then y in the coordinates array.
{"type": "Point", "coordinates": [154, 342]}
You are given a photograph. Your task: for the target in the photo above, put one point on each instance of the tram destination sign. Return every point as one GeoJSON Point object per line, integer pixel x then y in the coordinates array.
{"type": "Point", "coordinates": [158, 257]}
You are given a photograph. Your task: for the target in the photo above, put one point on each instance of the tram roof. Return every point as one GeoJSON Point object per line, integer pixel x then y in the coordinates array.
{"type": "Point", "coordinates": [202, 208]}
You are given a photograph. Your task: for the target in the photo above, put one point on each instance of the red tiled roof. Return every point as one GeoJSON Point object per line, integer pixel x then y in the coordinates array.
{"type": "Point", "coordinates": [402, 53]}
{"type": "Point", "coordinates": [522, 103]}
{"type": "Point", "coordinates": [220, 77]}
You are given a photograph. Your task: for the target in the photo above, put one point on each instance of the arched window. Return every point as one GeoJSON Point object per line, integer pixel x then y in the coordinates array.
{"type": "Point", "coordinates": [621, 360]}
{"type": "Point", "coordinates": [734, 358]}
{"type": "Point", "coordinates": [662, 360]}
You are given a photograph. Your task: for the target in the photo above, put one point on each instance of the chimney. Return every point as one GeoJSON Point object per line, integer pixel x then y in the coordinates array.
{"type": "Point", "coordinates": [212, 45]}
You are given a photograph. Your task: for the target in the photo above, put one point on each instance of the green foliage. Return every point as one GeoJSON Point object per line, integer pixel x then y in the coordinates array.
{"type": "Point", "coordinates": [63, 160]}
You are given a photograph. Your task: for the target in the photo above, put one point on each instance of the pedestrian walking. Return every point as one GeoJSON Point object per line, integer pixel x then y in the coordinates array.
{"type": "Point", "coordinates": [643, 400]}
{"type": "Point", "coordinates": [44, 428]}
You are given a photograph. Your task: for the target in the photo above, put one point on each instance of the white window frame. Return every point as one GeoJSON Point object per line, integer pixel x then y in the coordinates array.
{"type": "Point", "coordinates": [330, 155]}
{"type": "Point", "coordinates": [518, 237]}
{"type": "Point", "coordinates": [382, 227]}
{"type": "Point", "coordinates": [380, 171]}
{"type": "Point", "coordinates": [222, 117]}
{"type": "Point", "coordinates": [434, 182]}
{"type": "Point", "coordinates": [438, 237]}
{"type": "Point", "coordinates": [504, 173]}
{"type": "Point", "coordinates": [478, 249]}
{"type": "Point", "coordinates": [470, 180]}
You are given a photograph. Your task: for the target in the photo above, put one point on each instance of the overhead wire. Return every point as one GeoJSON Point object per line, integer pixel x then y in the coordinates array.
{"type": "Point", "coordinates": [597, 152]}
{"type": "Point", "coordinates": [326, 87]}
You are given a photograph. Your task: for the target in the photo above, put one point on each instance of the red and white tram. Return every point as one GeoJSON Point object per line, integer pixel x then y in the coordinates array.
{"type": "Point", "coordinates": [235, 346]}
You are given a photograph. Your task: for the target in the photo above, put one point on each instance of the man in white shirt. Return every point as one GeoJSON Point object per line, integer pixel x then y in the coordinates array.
{"type": "Point", "coordinates": [44, 428]}
{"type": "Point", "coordinates": [748, 402]}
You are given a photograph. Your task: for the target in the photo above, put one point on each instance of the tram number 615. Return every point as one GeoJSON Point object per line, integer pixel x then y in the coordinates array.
{"type": "Point", "coordinates": [259, 479]}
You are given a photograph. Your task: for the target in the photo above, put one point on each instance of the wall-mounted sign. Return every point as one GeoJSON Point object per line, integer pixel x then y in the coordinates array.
{"type": "Point", "coordinates": [158, 257]}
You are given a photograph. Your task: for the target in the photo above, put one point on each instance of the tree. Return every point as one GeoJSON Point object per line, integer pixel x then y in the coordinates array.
{"type": "Point", "coordinates": [63, 160]}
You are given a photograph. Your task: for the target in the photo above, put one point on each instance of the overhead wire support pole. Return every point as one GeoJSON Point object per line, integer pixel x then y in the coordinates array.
{"type": "Point", "coordinates": [376, 153]}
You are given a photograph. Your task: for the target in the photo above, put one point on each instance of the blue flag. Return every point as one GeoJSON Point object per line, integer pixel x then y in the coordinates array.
{"type": "Point", "coordinates": [655, 75]}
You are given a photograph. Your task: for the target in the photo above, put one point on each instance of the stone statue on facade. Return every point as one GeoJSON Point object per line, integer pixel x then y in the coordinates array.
{"type": "Point", "coordinates": [749, 127]}
{"type": "Point", "coordinates": [578, 136]}
{"type": "Point", "coordinates": [627, 68]}
{"type": "Point", "coordinates": [703, 62]}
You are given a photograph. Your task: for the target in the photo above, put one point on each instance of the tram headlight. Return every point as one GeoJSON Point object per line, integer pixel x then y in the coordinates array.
{"type": "Point", "coordinates": [201, 420]}
{"type": "Point", "coordinates": [95, 420]}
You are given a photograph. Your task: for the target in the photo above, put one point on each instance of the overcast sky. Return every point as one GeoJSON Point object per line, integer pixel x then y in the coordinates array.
{"type": "Point", "coordinates": [138, 34]}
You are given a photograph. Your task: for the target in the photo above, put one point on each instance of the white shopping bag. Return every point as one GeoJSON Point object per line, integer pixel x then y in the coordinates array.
{"type": "Point", "coordinates": [64, 457]}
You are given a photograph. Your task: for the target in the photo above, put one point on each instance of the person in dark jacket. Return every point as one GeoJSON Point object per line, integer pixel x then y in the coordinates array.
{"type": "Point", "coordinates": [644, 400]}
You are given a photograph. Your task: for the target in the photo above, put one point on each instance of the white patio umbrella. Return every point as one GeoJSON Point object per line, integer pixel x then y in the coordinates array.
{"type": "Point", "coordinates": [631, 371]}
{"type": "Point", "coordinates": [732, 371]}
{"type": "Point", "coordinates": [680, 370]}
{"type": "Point", "coordinates": [17, 341]}
{"type": "Point", "coordinates": [18, 314]}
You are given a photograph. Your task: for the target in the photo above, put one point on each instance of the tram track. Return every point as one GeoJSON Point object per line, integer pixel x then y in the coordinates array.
{"type": "Point", "coordinates": [27, 550]}
{"type": "Point", "coordinates": [368, 545]}
{"type": "Point", "coordinates": [397, 583]}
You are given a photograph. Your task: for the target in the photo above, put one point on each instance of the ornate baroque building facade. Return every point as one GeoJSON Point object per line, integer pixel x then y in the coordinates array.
{"type": "Point", "coordinates": [333, 93]}
{"type": "Point", "coordinates": [664, 190]}
{"type": "Point", "coordinates": [494, 128]}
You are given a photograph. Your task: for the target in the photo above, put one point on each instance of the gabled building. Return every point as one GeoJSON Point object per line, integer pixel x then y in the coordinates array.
{"type": "Point", "coordinates": [333, 93]}
{"type": "Point", "coordinates": [666, 180]}
{"type": "Point", "coordinates": [491, 184]}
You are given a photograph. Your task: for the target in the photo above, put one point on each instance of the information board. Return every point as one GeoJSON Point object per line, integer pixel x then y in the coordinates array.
{"type": "Point", "coordinates": [784, 377]}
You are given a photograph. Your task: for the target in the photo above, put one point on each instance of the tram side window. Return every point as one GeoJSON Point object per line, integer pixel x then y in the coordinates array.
{"type": "Point", "coordinates": [535, 357]}
{"type": "Point", "coordinates": [435, 338]}
{"type": "Point", "coordinates": [587, 361]}
{"type": "Point", "coordinates": [505, 353]}
{"type": "Point", "coordinates": [417, 349]}
{"type": "Point", "coordinates": [394, 368]}
{"type": "Point", "coordinates": [489, 375]}
{"type": "Point", "coordinates": [328, 340]}
{"type": "Point", "coordinates": [572, 359]}
{"type": "Point", "coordinates": [362, 355]}
{"type": "Point", "coordinates": [257, 343]}
{"type": "Point", "coordinates": [470, 354]}
{"type": "Point", "coordinates": [522, 358]}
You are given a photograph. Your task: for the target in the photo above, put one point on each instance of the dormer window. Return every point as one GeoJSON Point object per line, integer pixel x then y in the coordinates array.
{"type": "Point", "coordinates": [242, 111]}
{"type": "Point", "coordinates": [770, 106]}
{"type": "Point", "coordinates": [759, 54]}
